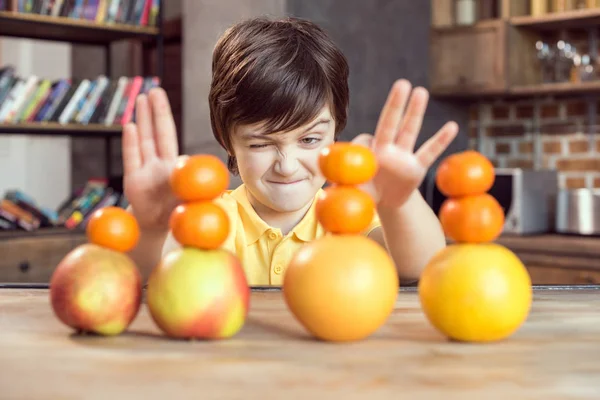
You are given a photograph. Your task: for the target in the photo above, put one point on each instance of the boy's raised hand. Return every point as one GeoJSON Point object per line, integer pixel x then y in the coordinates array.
{"type": "Point", "coordinates": [401, 170]}
{"type": "Point", "coordinates": [150, 151]}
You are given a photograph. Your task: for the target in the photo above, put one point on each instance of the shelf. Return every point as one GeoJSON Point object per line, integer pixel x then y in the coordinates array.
{"type": "Point", "coordinates": [561, 88]}
{"type": "Point", "coordinates": [549, 89]}
{"type": "Point", "coordinates": [56, 129]}
{"type": "Point", "coordinates": [483, 24]}
{"type": "Point", "coordinates": [43, 27]}
{"type": "Point", "coordinates": [559, 20]}
{"type": "Point", "coordinates": [39, 233]}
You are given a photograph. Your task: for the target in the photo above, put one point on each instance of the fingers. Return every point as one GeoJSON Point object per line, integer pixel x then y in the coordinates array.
{"type": "Point", "coordinates": [364, 139]}
{"type": "Point", "coordinates": [413, 119]}
{"type": "Point", "coordinates": [435, 146]}
{"type": "Point", "coordinates": [145, 130]}
{"type": "Point", "coordinates": [132, 158]}
{"type": "Point", "coordinates": [165, 129]}
{"type": "Point", "coordinates": [391, 114]}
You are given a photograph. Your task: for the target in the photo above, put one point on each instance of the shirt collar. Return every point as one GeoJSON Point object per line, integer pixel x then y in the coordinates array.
{"type": "Point", "coordinates": [254, 226]}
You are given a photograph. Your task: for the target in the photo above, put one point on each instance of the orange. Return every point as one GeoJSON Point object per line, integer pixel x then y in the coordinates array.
{"type": "Point", "coordinates": [474, 219]}
{"type": "Point", "coordinates": [113, 228]}
{"type": "Point", "coordinates": [199, 178]}
{"type": "Point", "coordinates": [341, 287]}
{"type": "Point", "coordinates": [347, 163]}
{"type": "Point", "coordinates": [345, 209]}
{"type": "Point", "coordinates": [200, 224]}
{"type": "Point", "coordinates": [475, 292]}
{"type": "Point", "coordinates": [465, 173]}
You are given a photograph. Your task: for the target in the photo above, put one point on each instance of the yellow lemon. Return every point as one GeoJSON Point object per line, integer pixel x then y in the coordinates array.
{"type": "Point", "coordinates": [476, 292]}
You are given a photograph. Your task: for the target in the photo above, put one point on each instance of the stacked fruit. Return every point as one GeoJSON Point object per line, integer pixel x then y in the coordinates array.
{"type": "Point", "coordinates": [473, 290]}
{"type": "Point", "coordinates": [96, 287]}
{"type": "Point", "coordinates": [199, 290]}
{"type": "Point", "coordinates": [469, 214]}
{"type": "Point", "coordinates": [343, 286]}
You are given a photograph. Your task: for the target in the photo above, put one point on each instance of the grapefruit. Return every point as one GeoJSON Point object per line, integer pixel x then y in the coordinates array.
{"type": "Point", "coordinates": [476, 292]}
{"type": "Point", "coordinates": [341, 287]}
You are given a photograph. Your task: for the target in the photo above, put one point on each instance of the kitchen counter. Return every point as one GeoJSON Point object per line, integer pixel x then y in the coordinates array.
{"type": "Point", "coordinates": [558, 259]}
{"type": "Point", "coordinates": [550, 258]}
{"type": "Point", "coordinates": [273, 357]}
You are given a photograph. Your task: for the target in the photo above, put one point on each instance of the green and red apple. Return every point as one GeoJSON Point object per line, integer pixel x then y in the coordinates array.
{"type": "Point", "coordinates": [198, 294]}
{"type": "Point", "coordinates": [95, 289]}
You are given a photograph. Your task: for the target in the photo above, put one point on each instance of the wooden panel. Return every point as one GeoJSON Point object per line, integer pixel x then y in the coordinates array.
{"type": "Point", "coordinates": [35, 26]}
{"type": "Point", "coordinates": [442, 13]}
{"type": "Point", "coordinates": [469, 59]}
{"type": "Point", "coordinates": [523, 68]}
{"type": "Point", "coordinates": [173, 70]}
{"type": "Point", "coordinates": [55, 128]}
{"type": "Point", "coordinates": [543, 275]}
{"type": "Point", "coordinates": [578, 19]}
{"type": "Point", "coordinates": [512, 8]}
{"type": "Point", "coordinates": [559, 88]}
{"type": "Point", "coordinates": [33, 259]}
{"type": "Point", "coordinates": [553, 244]}
{"type": "Point", "coordinates": [273, 357]}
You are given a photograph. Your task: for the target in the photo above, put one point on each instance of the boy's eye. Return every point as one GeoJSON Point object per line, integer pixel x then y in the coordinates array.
{"type": "Point", "coordinates": [258, 146]}
{"type": "Point", "coordinates": [310, 140]}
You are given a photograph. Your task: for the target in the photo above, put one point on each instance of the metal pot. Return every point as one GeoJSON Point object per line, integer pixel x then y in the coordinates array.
{"type": "Point", "coordinates": [578, 211]}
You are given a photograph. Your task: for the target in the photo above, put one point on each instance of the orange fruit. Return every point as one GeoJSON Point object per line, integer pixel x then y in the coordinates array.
{"type": "Point", "coordinates": [345, 209]}
{"type": "Point", "coordinates": [475, 292]}
{"type": "Point", "coordinates": [341, 287]}
{"type": "Point", "coordinates": [347, 163]}
{"type": "Point", "coordinates": [113, 228]}
{"type": "Point", "coordinates": [464, 174]}
{"type": "Point", "coordinates": [473, 219]}
{"type": "Point", "coordinates": [200, 224]}
{"type": "Point", "coordinates": [199, 178]}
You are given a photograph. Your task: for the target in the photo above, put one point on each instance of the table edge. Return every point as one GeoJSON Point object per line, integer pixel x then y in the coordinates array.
{"type": "Point", "coordinates": [412, 288]}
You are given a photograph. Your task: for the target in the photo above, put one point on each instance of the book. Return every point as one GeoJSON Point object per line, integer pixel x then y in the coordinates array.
{"type": "Point", "coordinates": [130, 12]}
{"type": "Point", "coordinates": [19, 211]}
{"type": "Point", "coordinates": [100, 100]}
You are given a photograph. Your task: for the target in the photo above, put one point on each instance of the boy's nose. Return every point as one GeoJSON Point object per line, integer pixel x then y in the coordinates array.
{"type": "Point", "coordinates": [286, 164]}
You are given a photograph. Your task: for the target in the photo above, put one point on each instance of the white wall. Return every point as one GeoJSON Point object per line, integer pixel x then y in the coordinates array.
{"type": "Point", "coordinates": [39, 166]}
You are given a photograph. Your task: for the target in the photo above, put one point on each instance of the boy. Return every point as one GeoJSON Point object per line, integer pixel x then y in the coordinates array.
{"type": "Point", "coordinates": [279, 95]}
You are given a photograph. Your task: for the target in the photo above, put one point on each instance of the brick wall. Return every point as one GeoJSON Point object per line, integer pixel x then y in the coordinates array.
{"type": "Point", "coordinates": [567, 140]}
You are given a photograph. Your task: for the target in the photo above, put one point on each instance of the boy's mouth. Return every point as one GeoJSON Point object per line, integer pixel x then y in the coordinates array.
{"type": "Point", "coordinates": [286, 182]}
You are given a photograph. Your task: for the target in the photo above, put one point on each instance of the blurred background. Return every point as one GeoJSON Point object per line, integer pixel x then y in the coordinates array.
{"type": "Point", "coordinates": [519, 76]}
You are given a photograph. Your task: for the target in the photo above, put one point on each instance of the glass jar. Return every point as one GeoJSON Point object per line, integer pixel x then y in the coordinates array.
{"type": "Point", "coordinates": [539, 7]}
{"type": "Point", "coordinates": [466, 12]}
{"type": "Point", "coordinates": [562, 5]}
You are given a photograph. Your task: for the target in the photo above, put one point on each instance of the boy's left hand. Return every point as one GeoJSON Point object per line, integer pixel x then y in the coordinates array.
{"type": "Point", "coordinates": [401, 170]}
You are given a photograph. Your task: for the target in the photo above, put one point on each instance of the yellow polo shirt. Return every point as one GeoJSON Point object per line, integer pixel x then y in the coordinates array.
{"type": "Point", "coordinates": [264, 251]}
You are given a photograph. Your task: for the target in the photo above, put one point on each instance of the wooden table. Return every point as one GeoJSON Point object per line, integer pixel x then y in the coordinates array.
{"type": "Point", "coordinates": [555, 355]}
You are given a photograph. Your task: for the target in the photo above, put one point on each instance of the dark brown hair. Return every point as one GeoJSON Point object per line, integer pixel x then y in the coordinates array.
{"type": "Point", "coordinates": [279, 72]}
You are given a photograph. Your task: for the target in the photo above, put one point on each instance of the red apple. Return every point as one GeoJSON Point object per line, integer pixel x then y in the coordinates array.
{"type": "Point", "coordinates": [95, 289]}
{"type": "Point", "coordinates": [198, 294]}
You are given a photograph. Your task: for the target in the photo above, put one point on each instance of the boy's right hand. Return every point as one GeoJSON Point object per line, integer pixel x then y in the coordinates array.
{"type": "Point", "coordinates": [150, 151]}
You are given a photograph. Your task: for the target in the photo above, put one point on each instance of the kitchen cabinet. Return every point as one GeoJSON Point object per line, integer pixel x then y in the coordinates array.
{"type": "Point", "coordinates": [468, 59]}
{"type": "Point", "coordinates": [550, 259]}
{"type": "Point", "coordinates": [498, 56]}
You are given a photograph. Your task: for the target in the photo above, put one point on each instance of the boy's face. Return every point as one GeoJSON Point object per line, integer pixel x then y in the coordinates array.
{"type": "Point", "coordinates": [281, 170]}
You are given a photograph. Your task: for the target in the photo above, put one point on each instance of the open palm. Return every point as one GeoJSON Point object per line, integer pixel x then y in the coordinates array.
{"type": "Point", "coordinates": [401, 170]}
{"type": "Point", "coordinates": [150, 150]}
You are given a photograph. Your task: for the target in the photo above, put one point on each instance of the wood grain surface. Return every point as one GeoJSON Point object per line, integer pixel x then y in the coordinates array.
{"type": "Point", "coordinates": [555, 355]}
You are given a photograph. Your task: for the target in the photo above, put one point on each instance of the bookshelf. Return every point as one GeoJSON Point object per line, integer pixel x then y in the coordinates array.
{"type": "Point", "coordinates": [82, 32]}
{"type": "Point", "coordinates": [51, 128]}
{"type": "Point", "coordinates": [132, 23]}
{"type": "Point", "coordinates": [66, 29]}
